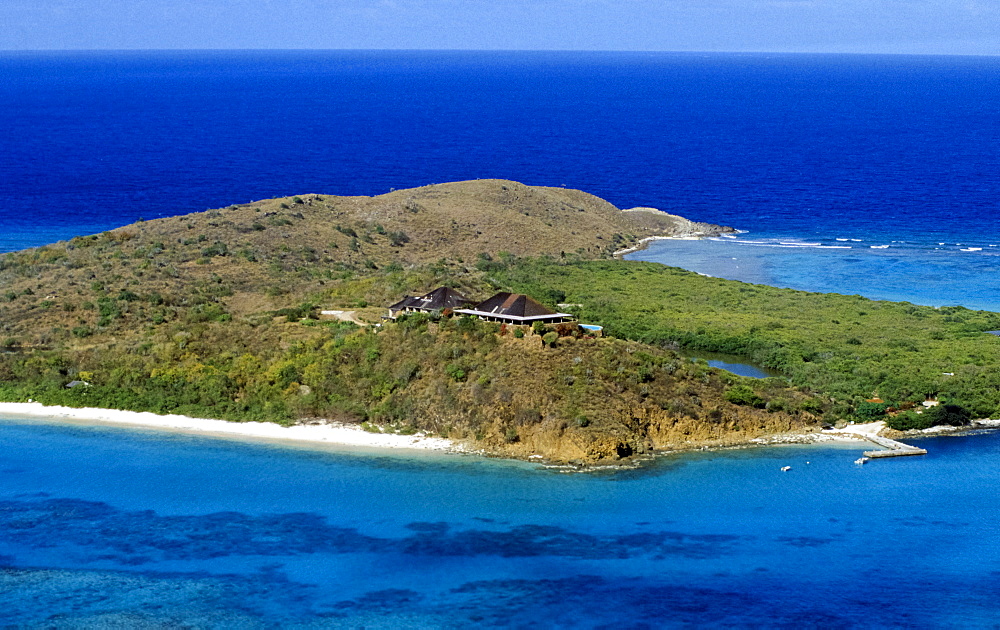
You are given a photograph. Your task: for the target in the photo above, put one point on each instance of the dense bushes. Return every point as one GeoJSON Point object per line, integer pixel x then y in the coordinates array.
{"type": "Point", "coordinates": [744, 395]}
{"type": "Point", "coordinates": [870, 411]}
{"type": "Point", "coordinates": [453, 376]}
{"type": "Point", "coordinates": [224, 362]}
{"type": "Point", "coordinates": [847, 347]}
{"type": "Point", "coordinates": [952, 415]}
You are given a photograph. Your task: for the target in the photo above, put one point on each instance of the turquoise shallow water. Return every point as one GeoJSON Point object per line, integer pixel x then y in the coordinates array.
{"type": "Point", "coordinates": [930, 272]}
{"type": "Point", "coordinates": [107, 526]}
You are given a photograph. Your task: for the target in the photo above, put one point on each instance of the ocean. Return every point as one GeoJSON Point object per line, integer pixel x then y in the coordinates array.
{"type": "Point", "coordinates": [108, 527]}
{"type": "Point", "coordinates": [880, 171]}
{"type": "Point", "coordinates": [871, 175]}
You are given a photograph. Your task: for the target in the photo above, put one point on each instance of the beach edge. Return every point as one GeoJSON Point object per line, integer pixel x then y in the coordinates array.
{"type": "Point", "coordinates": [320, 433]}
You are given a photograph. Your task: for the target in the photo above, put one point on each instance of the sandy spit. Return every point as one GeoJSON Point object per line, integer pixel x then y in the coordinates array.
{"type": "Point", "coordinates": [643, 243]}
{"type": "Point", "coordinates": [330, 433]}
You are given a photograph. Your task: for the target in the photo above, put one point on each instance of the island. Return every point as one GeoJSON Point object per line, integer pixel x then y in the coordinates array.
{"type": "Point", "coordinates": [305, 311]}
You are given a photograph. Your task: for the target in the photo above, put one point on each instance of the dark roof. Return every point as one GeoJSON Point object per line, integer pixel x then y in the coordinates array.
{"type": "Point", "coordinates": [513, 305]}
{"type": "Point", "coordinates": [437, 300]}
{"type": "Point", "coordinates": [442, 298]}
{"type": "Point", "coordinates": [407, 301]}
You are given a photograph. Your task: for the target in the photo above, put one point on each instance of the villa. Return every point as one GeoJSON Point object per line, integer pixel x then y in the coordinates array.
{"type": "Point", "coordinates": [507, 308]}
{"type": "Point", "coordinates": [514, 308]}
{"type": "Point", "coordinates": [437, 300]}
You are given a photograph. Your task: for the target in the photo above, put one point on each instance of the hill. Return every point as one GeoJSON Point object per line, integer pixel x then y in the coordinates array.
{"type": "Point", "coordinates": [277, 253]}
{"type": "Point", "coordinates": [215, 314]}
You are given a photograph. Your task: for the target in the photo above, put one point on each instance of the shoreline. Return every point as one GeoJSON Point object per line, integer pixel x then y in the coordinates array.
{"type": "Point", "coordinates": [331, 434]}
{"type": "Point", "coordinates": [864, 432]}
{"type": "Point", "coordinates": [644, 243]}
{"type": "Point", "coordinates": [335, 434]}
{"type": "Point", "coordinates": [691, 231]}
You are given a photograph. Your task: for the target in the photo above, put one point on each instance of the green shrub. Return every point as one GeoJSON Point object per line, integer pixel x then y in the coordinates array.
{"type": "Point", "coordinates": [108, 308]}
{"type": "Point", "coordinates": [743, 395]}
{"type": "Point", "coordinates": [869, 411]}
{"type": "Point", "coordinates": [455, 371]}
{"type": "Point", "coordinates": [485, 262]}
{"type": "Point", "coordinates": [811, 405]}
{"type": "Point", "coordinates": [775, 406]}
{"type": "Point", "coordinates": [218, 248]}
{"type": "Point", "coordinates": [953, 415]}
{"type": "Point", "coordinates": [210, 312]}
{"type": "Point", "coordinates": [909, 420]}
{"type": "Point", "coordinates": [306, 310]}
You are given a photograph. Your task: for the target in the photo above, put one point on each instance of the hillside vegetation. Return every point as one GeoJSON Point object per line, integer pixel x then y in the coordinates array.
{"type": "Point", "coordinates": [272, 254]}
{"type": "Point", "coordinates": [216, 314]}
{"type": "Point", "coordinates": [582, 400]}
{"type": "Point", "coordinates": [849, 348]}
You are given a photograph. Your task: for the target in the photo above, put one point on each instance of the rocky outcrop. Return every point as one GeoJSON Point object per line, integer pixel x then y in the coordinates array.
{"type": "Point", "coordinates": [674, 225]}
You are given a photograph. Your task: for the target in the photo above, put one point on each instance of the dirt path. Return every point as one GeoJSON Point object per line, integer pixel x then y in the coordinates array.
{"type": "Point", "coordinates": [344, 316]}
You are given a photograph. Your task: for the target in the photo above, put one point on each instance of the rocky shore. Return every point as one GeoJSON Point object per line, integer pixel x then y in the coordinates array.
{"type": "Point", "coordinates": [681, 228]}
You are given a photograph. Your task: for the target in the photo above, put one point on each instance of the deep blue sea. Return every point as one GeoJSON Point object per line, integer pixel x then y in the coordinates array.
{"type": "Point", "coordinates": [899, 153]}
{"type": "Point", "coordinates": [875, 175]}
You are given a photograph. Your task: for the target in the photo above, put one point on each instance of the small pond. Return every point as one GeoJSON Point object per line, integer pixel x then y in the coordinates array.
{"type": "Point", "coordinates": [732, 363]}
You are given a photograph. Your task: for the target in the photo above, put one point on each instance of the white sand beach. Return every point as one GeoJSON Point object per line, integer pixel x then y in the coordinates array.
{"type": "Point", "coordinates": [852, 433]}
{"type": "Point", "coordinates": [328, 433]}
{"type": "Point", "coordinates": [857, 431]}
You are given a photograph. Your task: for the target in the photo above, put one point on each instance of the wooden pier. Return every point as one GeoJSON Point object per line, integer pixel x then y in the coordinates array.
{"type": "Point", "coordinates": [893, 448]}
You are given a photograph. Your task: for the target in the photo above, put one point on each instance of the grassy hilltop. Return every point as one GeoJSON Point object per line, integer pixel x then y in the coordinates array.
{"type": "Point", "coordinates": [272, 254]}
{"type": "Point", "coordinates": [215, 314]}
